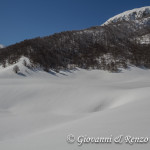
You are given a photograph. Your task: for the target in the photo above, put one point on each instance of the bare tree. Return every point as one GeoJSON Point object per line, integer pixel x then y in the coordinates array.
{"type": "Point", "coordinates": [16, 69]}
{"type": "Point", "coordinates": [25, 63]}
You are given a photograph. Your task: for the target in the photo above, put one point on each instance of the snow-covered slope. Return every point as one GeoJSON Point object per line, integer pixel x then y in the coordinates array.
{"type": "Point", "coordinates": [131, 15]}
{"type": "Point", "coordinates": [137, 21]}
{"type": "Point", "coordinates": [38, 109]}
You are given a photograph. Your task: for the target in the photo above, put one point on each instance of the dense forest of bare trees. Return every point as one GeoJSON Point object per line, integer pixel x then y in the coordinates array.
{"type": "Point", "coordinates": [104, 47]}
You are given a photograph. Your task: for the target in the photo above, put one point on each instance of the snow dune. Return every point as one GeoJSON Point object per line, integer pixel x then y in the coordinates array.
{"type": "Point", "coordinates": [38, 109]}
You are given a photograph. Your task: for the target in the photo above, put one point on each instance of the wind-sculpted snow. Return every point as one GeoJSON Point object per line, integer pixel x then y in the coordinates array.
{"type": "Point", "coordinates": [39, 110]}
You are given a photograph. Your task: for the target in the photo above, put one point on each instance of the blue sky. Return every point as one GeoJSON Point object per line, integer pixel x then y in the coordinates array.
{"type": "Point", "coordinates": [25, 19]}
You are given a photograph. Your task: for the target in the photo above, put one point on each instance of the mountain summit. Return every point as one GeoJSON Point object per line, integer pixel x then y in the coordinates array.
{"type": "Point", "coordinates": [131, 15]}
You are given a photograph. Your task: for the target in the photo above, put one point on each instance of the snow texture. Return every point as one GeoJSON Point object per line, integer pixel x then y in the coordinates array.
{"type": "Point", "coordinates": [38, 109]}
{"type": "Point", "coordinates": [131, 15]}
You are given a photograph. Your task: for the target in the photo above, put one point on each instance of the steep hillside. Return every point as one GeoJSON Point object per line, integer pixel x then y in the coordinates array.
{"type": "Point", "coordinates": [108, 47]}
{"type": "Point", "coordinates": [139, 20]}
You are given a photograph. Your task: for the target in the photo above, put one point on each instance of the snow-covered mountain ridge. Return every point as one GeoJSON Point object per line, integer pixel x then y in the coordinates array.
{"type": "Point", "coordinates": [135, 21]}
{"type": "Point", "coordinates": [131, 15]}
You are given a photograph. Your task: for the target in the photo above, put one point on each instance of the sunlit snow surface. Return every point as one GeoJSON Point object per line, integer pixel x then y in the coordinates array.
{"type": "Point", "coordinates": [131, 15]}
{"type": "Point", "coordinates": [38, 109]}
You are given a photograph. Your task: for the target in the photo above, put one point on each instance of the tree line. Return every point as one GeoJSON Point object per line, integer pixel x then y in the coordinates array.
{"type": "Point", "coordinates": [102, 47]}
